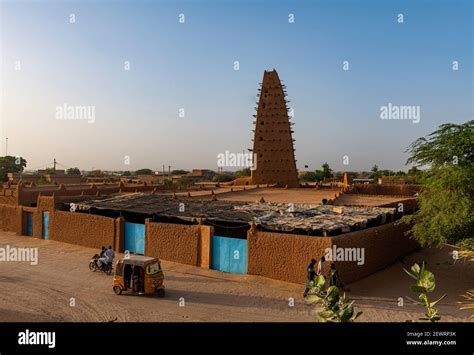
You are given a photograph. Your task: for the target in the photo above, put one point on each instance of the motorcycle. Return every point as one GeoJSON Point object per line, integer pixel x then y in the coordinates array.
{"type": "Point", "coordinates": [105, 267]}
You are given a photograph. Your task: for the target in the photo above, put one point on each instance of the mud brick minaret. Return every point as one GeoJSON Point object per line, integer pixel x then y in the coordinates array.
{"type": "Point", "coordinates": [273, 143]}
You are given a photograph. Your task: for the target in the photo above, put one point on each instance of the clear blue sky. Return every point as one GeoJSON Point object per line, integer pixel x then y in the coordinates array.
{"type": "Point", "coordinates": [191, 66]}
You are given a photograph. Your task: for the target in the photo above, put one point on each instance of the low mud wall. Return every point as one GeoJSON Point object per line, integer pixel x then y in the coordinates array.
{"type": "Point", "coordinates": [82, 229]}
{"type": "Point", "coordinates": [389, 190]}
{"type": "Point", "coordinates": [286, 256]}
{"type": "Point", "coordinates": [185, 244]}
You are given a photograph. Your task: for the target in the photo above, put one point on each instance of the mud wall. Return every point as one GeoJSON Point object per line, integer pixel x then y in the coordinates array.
{"type": "Point", "coordinates": [29, 195]}
{"type": "Point", "coordinates": [82, 229]}
{"type": "Point", "coordinates": [185, 244]}
{"type": "Point", "coordinates": [383, 245]}
{"type": "Point", "coordinates": [283, 256]}
{"type": "Point", "coordinates": [11, 218]}
{"type": "Point", "coordinates": [410, 205]}
{"type": "Point", "coordinates": [391, 190]}
{"type": "Point", "coordinates": [8, 196]}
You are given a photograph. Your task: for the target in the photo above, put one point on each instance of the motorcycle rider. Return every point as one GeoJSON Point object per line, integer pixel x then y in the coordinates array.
{"type": "Point", "coordinates": [102, 258]}
{"type": "Point", "coordinates": [109, 255]}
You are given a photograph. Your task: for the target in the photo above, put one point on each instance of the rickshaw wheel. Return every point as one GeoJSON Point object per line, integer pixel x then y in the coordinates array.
{"type": "Point", "coordinates": [160, 293]}
{"type": "Point", "coordinates": [92, 266]}
{"type": "Point", "coordinates": [117, 290]}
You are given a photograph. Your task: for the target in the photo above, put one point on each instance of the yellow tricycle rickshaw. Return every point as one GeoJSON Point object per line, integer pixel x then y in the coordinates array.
{"type": "Point", "coordinates": [139, 274]}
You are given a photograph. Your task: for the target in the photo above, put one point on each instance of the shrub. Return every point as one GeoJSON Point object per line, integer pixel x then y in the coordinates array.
{"type": "Point", "coordinates": [331, 306]}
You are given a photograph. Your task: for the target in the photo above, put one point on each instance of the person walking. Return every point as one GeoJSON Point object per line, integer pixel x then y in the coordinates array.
{"type": "Point", "coordinates": [320, 269]}
{"type": "Point", "coordinates": [334, 279]}
{"type": "Point", "coordinates": [310, 275]}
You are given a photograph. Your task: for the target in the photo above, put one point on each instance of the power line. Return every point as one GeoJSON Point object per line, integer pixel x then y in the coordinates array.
{"type": "Point", "coordinates": [41, 166]}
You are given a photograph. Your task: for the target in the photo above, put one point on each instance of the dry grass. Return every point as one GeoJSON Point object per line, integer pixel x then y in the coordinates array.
{"type": "Point", "coordinates": [469, 303]}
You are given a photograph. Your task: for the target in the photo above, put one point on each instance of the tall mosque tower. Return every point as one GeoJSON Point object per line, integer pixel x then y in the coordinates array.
{"type": "Point", "coordinates": [273, 143]}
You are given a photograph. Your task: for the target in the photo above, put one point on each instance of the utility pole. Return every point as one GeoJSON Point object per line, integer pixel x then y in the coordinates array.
{"type": "Point", "coordinates": [54, 171]}
{"type": "Point", "coordinates": [169, 170]}
{"type": "Point", "coordinates": [6, 146]}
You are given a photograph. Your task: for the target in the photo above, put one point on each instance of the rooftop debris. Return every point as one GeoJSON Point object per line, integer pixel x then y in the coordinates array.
{"type": "Point", "coordinates": [271, 216]}
{"type": "Point", "coordinates": [288, 217]}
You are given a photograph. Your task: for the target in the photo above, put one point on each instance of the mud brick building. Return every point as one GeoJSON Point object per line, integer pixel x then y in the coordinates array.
{"type": "Point", "coordinates": [273, 142]}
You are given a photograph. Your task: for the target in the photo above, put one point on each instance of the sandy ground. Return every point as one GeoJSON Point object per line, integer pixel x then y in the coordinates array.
{"type": "Point", "coordinates": [366, 200]}
{"type": "Point", "coordinates": [43, 292]}
{"type": "Point", "coordinates": [301, 195]}
{"type": "Point", "coordinates": [280, 195]}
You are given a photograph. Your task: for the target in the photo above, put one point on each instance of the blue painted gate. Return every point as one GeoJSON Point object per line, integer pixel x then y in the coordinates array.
{"type": "Point", "coordinates": [29, 224]}
{"type": "Point", "coordinates": [45, 225]}
{"type": "Point", "coordinates": [135, 238]}
{"type": "Point", "coordinates": [229, 254]}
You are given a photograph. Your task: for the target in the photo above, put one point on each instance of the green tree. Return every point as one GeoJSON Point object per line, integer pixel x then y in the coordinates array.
{"type": "Point", "coordinates": [376, 173]}
{"type": "Point", "coordinates": [168, 182]}
{"type": "Point", "coordinates": [10, 164]}
{"type": "Point", "coordinates": [446, 204]}
{"type": "Point", "coordinates": [387, 172]}
{"type": "Point", "coordinates": [42, 181]}
{"type": "Point", "coordinates": [450, 144]}
{"type": "Point", "coordinates": [143, 172]}
{"type": "Point", "coordinates": [243, 172]}
{"type": "Point", "coordinates": [73, 171]}
{"type": "Point", "coordinates": [309, 176]}
{"type": "Point", "coordinates": [127, 173]}
{"type": "Point", "coordinates": [419, 176]}
{"type": "Point", "coordinates": [414, 171]}
{"type": "Point", "coordinates": [223, 177]}
{"type": "Point", "coordinates": [184, 182]}
{"type": "Point", "coordinates": [319, 175]}
{"type": "Point", "coordinates": [327, 171]}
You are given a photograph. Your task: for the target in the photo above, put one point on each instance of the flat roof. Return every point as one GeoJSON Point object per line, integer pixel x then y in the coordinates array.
{"type": "Point", "coordinates": [271, 216]}
{"type": "Point", "coordinates": [137, 259]}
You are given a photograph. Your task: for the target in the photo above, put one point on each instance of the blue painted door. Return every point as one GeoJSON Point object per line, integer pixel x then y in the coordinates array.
{"type": "Point", "coordinates": [29, 224]}
{"type": "Point", "coordinates": [229, 254]}
{"type": "Point", "coordinates": [135, 238]}
{"type": "Point", "coordinates": [45, 225]}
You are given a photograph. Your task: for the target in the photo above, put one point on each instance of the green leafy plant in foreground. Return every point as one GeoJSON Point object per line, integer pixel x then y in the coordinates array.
{"type": "Point", "coordinates": [332, 307]}
{"type": "Point", "coordinates": [425, 284]}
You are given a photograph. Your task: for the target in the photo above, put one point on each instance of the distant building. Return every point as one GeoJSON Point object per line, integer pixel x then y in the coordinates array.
{"type": "Point", "coordinates": [140, 179]}
{"type": "Point", "coordinates": [59, 178]}
{"type": "Point", "coordinates": [273, 142]}
{"type": "Point", "coordinates": [63, 179]}
{"type": "Point", "coordinates": [15, 177]}
{"type": "Point", "coordinates": [362, 181]}
{"type": "Point", "coordinates": [101, 180]}
{"type": "Point", "coordinates": [44, 172]}
{"type": "Point", "coordinates": [199, 175]}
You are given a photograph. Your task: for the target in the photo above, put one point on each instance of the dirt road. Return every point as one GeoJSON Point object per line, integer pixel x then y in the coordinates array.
{"type": "Point", "coordinates": [61, 288]}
